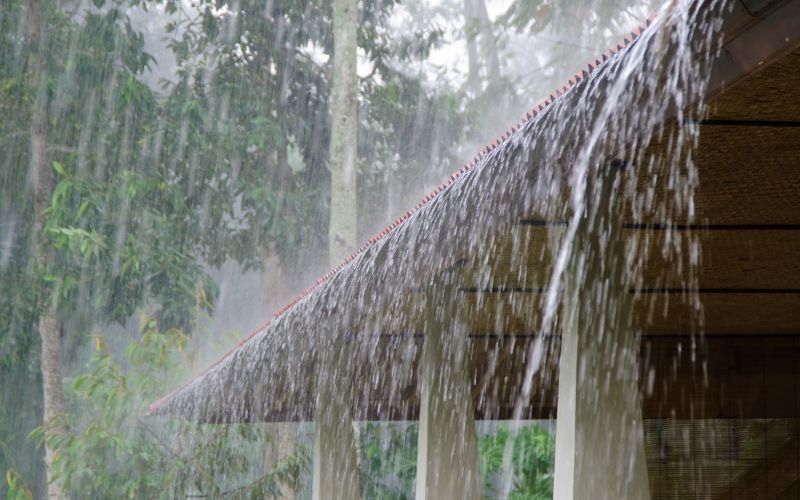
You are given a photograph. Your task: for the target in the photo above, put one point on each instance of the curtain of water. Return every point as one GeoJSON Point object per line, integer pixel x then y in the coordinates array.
{"type": "Point", "coordinates": [641, 107]}
{"type": "Point", "coordinates": [644, 113]}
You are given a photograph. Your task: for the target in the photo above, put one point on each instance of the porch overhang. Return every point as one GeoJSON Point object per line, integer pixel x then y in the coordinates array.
{"type": "Point", "coordinates": [747, 221]}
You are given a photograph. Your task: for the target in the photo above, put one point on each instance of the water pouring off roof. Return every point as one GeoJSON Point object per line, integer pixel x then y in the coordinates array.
{"type": "Point", "coordinates": [505, 191]}
{"type": "Point", "coordinates": [643, 207]}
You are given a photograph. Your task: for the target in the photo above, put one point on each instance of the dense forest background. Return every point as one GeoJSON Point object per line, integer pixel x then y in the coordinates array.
{"type": "Point", "coordinates": [165, 186]}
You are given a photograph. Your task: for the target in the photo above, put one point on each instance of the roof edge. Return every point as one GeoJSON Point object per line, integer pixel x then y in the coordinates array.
{"type": "Point", "coordinates": [540, 107]}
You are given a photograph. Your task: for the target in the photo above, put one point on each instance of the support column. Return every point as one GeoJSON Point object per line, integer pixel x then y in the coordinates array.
{"type": "Point", "coordinates": [447, 454]}
{"type": "Point", "coordinates": [335, 475]}
{"type": "Point", "coordinates": [599, 432]}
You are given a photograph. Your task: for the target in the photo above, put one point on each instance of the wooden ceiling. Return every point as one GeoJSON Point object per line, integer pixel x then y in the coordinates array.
{"type": "Point", "coordinates": [746, 225]}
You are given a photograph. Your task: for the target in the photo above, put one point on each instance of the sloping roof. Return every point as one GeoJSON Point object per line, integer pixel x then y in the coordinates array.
{"type": "Point", "coordinates": [274, 362]}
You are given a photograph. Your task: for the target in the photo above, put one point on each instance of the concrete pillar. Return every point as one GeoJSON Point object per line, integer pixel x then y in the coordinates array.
{"type": "Point", "coordinates": [599, 432]}
{"type": "Point", "coordinates": [335, 474]}
{"type": "Point", "coordinates": [447, 455]}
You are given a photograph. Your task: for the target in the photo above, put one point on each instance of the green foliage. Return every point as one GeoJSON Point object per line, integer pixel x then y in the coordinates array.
{"type": "Point", "coordinates": [16, 487]}
{"type": "Point", "coordinates": [532, 15]}
{"type": "Point", "coordinates": [532, 456]}
{"type": "Point", "coordinates": [111, 451]}
{"type": "Point", "coordinates": [113, 261]}
{"type": "Point", "coordinates": [388, 460]}
{"type": "Point", "coordinates": [535, 16]}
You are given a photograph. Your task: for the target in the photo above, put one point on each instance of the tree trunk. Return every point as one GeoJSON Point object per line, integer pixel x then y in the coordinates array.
{"type": "Point", "coordinates": [471, 35]}
{"type": "Point", "coordinates": [479, 33]}
{"type": "Point", "coordinates": [53, 394]}
{"type": "Point", "coordinates": [335, 473]}
{"type": "Point", "coordinates": [344, 114]}
{"type": "Point", "coordinates": [488, 41]}
{"type": "Point", "coordinates": [42, 183]}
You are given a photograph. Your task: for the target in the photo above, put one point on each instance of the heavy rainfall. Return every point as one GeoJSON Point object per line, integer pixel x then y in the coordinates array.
{"type": "Point", "coordinates": [199, 298]}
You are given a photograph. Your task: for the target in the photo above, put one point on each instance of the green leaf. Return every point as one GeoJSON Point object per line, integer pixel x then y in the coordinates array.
{"type": "Point", "coordinates": [59, 168]}
{"type": "Point", "coordinates": [82, 209]}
